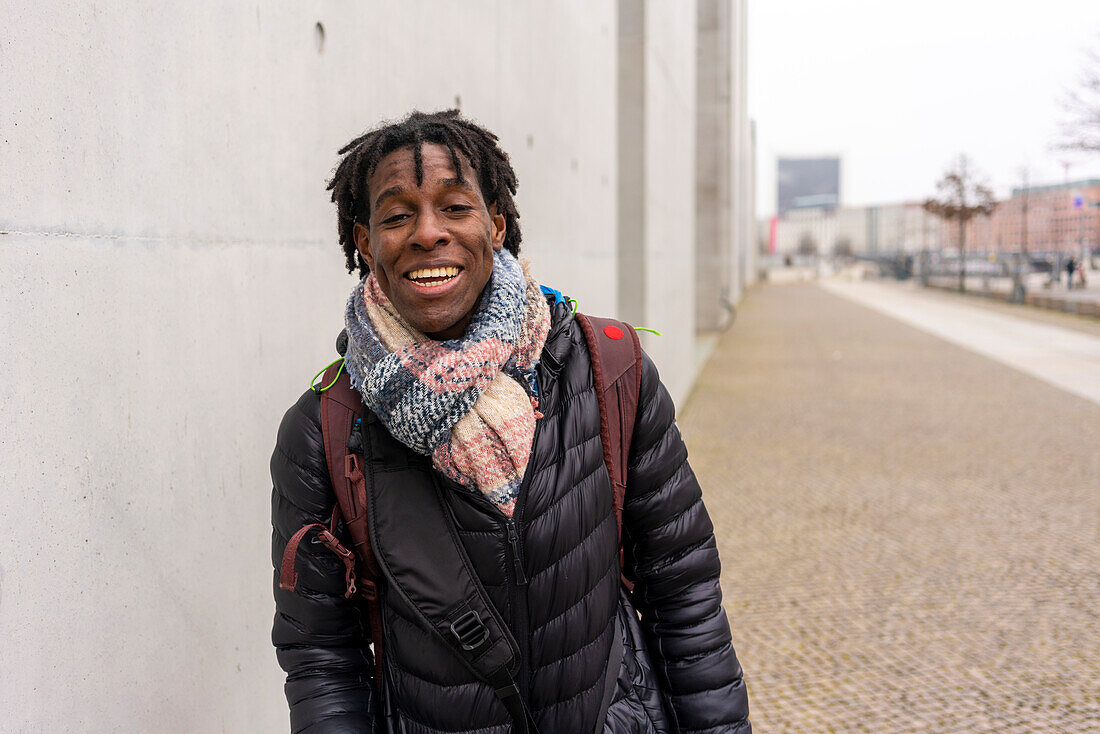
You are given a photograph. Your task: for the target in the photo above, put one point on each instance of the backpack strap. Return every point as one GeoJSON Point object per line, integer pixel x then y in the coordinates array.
{"type": "Point", "coordinates": [385, 513]}
{"type": "Point", "coordinates": [341, 411]}
{"type": "Point", "coordinates": [616, 356]}
{"type": "Point", "coordinates": [426, 567]}
{"type": "Point", "coordinates": [341, 408]}
{"type": "Point", "coordinates": [288, 578]}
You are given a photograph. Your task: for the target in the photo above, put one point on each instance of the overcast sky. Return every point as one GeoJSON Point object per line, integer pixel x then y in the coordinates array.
{"type": "Point", "coordinates": [898, 90]}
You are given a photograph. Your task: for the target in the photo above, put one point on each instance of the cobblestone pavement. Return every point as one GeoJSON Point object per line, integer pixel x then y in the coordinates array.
{"type": "Point", "coordinates": [910, 532]}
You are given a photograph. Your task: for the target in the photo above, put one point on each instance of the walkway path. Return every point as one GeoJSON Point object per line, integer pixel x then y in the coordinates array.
{"type": "Point", "coordinates": [1064, 358]}
{"type": "Point", "coordinates": [910, 531]}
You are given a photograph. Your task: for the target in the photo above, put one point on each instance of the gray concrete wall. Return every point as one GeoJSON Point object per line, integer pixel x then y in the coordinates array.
{"type": "Point", "coordinates": [632, 213]}
{"type": "Point", "coordinates": [171, 280]}
{"type": "Point", "coordinates": [657, 196]}
{"type": "Point", "coordinates": [725, 224]}
{"type": "Point", "coordinates": [744, 159]}
{"type": "Point", "coordinates": [714, 164]}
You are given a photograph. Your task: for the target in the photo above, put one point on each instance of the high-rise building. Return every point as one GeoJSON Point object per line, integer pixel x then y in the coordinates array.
{"type": "Point", "coordinates": [803, 183]}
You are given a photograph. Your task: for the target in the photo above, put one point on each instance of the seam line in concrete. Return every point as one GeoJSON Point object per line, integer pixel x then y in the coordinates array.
{"type": "Point", "coordinates": [143, 238]}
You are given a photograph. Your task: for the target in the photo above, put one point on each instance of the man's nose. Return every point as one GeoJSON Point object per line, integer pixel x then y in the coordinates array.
{"type": "Point", "coordinates": [430, 231]}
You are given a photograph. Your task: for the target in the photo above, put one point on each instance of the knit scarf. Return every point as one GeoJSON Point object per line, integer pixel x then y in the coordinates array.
{"type": "Point", "coordinates": [469, 403]}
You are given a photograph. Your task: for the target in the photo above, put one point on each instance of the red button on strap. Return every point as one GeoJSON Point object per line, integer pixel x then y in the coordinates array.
{"type": "Point", "coordinates": [613, 332]}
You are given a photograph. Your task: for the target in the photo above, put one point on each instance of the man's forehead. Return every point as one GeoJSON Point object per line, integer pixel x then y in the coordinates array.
{"type": "Point", "coordinates": [396, 172]}
{"type": "Point", "coordinates": [433, 156]}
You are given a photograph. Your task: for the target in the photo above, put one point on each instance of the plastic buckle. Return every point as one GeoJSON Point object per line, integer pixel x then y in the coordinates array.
{"type": "Point", "coordinates": [351, 467]}
{"type": "Point", "coordinates": [469, 630]}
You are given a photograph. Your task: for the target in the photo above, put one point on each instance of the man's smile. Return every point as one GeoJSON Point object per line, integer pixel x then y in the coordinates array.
{"type": "Point", "coordinates": [432, 277]}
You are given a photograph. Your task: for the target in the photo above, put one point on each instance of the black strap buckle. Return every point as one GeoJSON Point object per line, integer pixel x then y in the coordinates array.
{"type": "Point", "coordinates": [469, 630]}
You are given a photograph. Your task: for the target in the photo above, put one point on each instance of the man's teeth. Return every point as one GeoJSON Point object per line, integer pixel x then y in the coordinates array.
{"type": "Point", "coordinates": [433, 274]}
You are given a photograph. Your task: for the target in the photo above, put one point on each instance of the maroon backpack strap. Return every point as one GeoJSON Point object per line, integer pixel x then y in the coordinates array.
{"type": "Point", "coordinates": [288, 578]}
{"type": "Point", "coordinates": [341, 406]}
{"type": "Point", "coordinates": [616, 356]}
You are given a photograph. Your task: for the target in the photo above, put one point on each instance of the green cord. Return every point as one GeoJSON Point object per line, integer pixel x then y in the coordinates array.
{"type": "Point", "coordinates": [326, 387]}
{"type": "Point", "coordinates": [636, 328]}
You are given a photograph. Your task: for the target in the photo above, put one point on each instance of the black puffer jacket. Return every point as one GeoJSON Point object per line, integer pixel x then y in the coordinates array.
{"type": "Point", "coordinates": [678, 672]}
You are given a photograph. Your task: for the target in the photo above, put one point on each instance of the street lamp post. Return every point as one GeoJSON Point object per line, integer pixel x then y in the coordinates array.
{"type": "Point", "coordinates": [1023, 265]}
{"type": "Point", "coordinates": [1079, 205]}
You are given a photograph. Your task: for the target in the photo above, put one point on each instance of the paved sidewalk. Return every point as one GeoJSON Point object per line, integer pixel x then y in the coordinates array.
{"type": "Point", "coordinates": [910, 531]}
{"type": "Point", "coordinates": [1073, 322]}
{"type": "Point", "coordinates": [1041, 293]}
{"type": "Point", "coordinates": [1064, 358]}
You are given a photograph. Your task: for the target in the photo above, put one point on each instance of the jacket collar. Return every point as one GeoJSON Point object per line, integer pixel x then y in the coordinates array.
{"type": "Point", "coordinates": [558, 342]}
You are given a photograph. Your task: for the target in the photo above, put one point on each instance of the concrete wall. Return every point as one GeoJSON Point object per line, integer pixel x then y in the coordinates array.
{"type": "Point", "coordinates": [171, 280]}
{"type": "Point", "coordinates": [657, 57]}
{"type": "Point", "coordinates": [744, 160]}
{"type": "Point", "coordinates": [714, 229]}
{"type": "Point", "coordinates": [724, 217]}
{"type": "Point", "coordinates": [632, 213]}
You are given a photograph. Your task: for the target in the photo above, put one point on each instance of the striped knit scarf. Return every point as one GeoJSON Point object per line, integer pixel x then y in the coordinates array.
{"type": "Point", "coordinates": [469, 403]}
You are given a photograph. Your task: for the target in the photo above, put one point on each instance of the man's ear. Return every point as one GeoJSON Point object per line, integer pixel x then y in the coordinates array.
{"type": "Point", "coordinates": [499, 226]}
{"type": "Point", "coordinates": [362, 243]}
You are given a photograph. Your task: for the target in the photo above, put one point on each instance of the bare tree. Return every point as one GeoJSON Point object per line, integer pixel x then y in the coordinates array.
{"type": "Point", "coordinates": [1081, 132]}
{"type": "Point", "coordinates": [961, 198]}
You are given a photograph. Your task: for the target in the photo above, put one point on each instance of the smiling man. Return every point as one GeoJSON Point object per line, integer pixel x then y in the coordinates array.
{"type": "Point", "coordinates": [485, 486]}
{"type": "Point", "coordinates": [435, 284]}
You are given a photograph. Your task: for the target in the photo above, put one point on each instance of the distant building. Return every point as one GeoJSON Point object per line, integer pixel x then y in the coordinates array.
{"type": "Point", "coordinates": [807, 183]}
{"type": "Point", "coordinates": [1060, 218]}
{"type": "Point", "coordinates": [904, 227]}
{"type": "Point", "coordinates": [1054, 223]}
{"type": "Point", "coordinates": [859, 230]}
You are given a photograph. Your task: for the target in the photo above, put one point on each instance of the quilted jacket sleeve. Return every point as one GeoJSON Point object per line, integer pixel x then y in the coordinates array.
{"type": "Point", "coordinates": [672, 554]}
{"type": "Point", "coordinates": [318, 634]}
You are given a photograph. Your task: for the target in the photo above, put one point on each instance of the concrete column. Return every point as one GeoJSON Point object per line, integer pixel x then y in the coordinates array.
{"type": "Point", "coordinates": [715, 265]}
{"type": "Point", "coordinates": [724, 203]}
{"type": "Point", "coordinates": [744, 158]}
{"type": "Point", "coordinates": [632, 161]}
{"type": "Point", "coordinates": [657, 130]}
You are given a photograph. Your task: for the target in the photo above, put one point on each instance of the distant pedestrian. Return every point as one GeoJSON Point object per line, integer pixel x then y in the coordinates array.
{"type": "Point", "coordinates": [1070, 267]}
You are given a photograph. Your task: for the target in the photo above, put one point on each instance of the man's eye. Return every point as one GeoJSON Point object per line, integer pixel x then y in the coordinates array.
{"type": "Point", "coordinates": [395, 218]}
{"type": "Point", "coordinates": [458, 208]}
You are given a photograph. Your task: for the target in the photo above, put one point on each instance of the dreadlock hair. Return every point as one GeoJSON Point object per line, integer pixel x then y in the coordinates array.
{"type": "Point", "coordinates": [448, 128]}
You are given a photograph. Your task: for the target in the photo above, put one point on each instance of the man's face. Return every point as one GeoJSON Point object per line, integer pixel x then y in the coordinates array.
{"type": "Point", "coordinates": [430, 246]}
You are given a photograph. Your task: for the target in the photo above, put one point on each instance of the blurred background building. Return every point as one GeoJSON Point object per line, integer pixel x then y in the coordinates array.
{"type": "Point", "coordinates": [1062, 219]}
{"type": "Point", "coordinates": [172, 279]}
{"type": "Point", "coordinates": [807, 183]}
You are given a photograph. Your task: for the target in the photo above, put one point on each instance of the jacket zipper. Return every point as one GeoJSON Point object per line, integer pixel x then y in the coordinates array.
{"type": "Point", "coordinates": [517, 559]}
{"type": "Point", "coordinates": [518, 589]}
{"type": "Point", "coordinates": [517, 594]}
